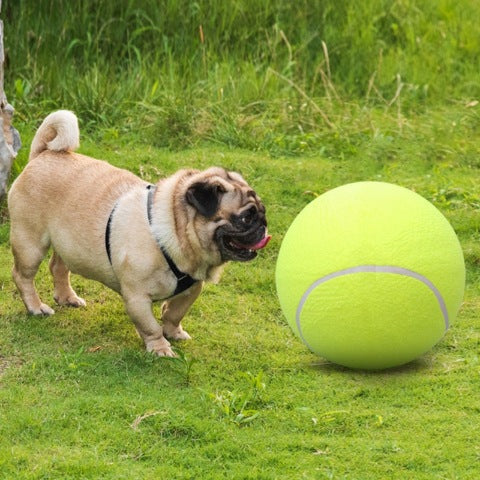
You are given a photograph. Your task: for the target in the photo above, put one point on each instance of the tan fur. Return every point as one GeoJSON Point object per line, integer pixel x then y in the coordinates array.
{"type": "Point", "coordinates": [63, 200]}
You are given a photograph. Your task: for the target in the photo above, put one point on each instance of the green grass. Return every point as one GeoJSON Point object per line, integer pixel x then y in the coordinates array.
{"type": "Point", "coordinates": [81, 399]}
{"type": "Point", "coordinates": [300, 97]}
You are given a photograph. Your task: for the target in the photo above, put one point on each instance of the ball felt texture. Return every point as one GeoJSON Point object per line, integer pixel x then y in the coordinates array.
{"type": "Point", "coordinates": [370, 275]}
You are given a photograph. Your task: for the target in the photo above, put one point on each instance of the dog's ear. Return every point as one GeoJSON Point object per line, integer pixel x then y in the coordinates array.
{"type": "Point", "coordinates": [205, 197]}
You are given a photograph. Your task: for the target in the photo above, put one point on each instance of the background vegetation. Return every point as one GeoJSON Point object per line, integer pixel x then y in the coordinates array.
{"type": "Point", "coordinates": [300, 97]}
{"type": "Point", "coordinates": [272, 75]}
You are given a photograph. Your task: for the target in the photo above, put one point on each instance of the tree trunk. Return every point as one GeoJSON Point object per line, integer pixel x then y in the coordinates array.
{"type": "Point", "coordinates": [9, 136]}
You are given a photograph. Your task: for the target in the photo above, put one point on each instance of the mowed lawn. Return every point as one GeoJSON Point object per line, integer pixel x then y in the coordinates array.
{"type": "Point", "coordinates": [80, 399]}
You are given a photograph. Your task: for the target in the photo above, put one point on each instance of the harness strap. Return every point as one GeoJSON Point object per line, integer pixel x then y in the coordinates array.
{"type": "Point", "coordinates": [107, 234]}
{"type": "Point", "coordinates": [184, 280]}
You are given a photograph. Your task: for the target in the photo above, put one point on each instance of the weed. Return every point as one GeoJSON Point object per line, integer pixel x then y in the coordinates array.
{"type": "Point", "coordinates": [241, 406]}
{"type": "Point", "coordinates": [183, 361]}
{"type": "Point", "coordinates": [73, 361]}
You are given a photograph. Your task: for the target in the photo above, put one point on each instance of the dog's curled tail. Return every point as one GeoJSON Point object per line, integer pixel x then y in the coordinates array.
{"type": "Point", "coordinates": [58, 133]}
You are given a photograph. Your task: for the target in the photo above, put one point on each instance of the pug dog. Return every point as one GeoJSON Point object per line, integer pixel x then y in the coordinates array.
{"type": "Point", "coordinates": [147, 242]}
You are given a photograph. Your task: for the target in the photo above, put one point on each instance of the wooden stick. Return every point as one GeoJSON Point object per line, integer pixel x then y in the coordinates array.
{"type": "Point", "coordinates": [9, 137]}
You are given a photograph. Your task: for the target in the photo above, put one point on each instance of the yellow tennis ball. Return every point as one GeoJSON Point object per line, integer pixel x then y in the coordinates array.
{"type": "Point", "coordinates": [370, 275]}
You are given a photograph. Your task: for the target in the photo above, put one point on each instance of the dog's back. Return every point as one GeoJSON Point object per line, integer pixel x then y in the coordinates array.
{"type": "Point", "coordinates": [57, 177]}
{"type": "Point", "coordinates": [63, 198]}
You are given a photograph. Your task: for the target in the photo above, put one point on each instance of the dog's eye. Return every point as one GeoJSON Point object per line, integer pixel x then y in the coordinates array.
{"type": "Point", "coordinates": [249, 215]}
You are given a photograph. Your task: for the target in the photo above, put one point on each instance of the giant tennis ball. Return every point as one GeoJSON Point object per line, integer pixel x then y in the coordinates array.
{"type": "Point", "coordinates": [370, 275]}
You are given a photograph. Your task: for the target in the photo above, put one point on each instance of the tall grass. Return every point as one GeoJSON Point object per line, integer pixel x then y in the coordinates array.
{"type": "Point", "coordinates": [252, 74]}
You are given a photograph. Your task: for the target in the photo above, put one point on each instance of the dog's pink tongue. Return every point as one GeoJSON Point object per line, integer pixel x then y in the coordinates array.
{"type": "Point", "coordinates": [261, 244]}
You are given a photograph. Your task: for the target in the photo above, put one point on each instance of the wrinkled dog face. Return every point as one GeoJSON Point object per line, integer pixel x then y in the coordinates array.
{"type": "Point", "coordinates": [235, 214]}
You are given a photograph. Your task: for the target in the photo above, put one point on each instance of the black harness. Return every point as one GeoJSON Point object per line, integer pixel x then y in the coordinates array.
{"type": "Point", "coordinates": [184, 280]}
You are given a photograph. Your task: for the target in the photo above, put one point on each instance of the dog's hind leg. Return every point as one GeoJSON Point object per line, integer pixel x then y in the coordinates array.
{"type": "Point", "coordinates": [28, 254]}
{"type": "Point", "coordinates": [63, 293]}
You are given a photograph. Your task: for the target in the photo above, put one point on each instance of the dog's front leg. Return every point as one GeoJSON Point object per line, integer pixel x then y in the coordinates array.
{"type": "Point", "coordinates": [139, 308]}
{"type": "Point", "coordinates": [175, 309]}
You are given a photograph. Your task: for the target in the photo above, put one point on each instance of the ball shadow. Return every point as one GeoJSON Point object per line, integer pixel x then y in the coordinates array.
{"type": "Point", "coordinates": [421, 364]}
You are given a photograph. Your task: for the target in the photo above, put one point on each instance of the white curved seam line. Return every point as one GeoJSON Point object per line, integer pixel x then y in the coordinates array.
{"type": "Point", "coordinates": [372, 269]}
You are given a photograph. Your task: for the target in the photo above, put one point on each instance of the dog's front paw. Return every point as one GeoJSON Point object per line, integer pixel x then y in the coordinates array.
{"type": "Point", "coordinates": [42, 309]}
{"type": "Point", "coordinates": [70, 300]}
{"type": "Point", "coordinates": [175, 332]}
{"type": "Point", "coordinates": [161, 347]}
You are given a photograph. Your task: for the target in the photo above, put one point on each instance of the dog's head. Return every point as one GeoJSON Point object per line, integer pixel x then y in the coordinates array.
{"type": "Point", "coordinates": [228, 213]}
